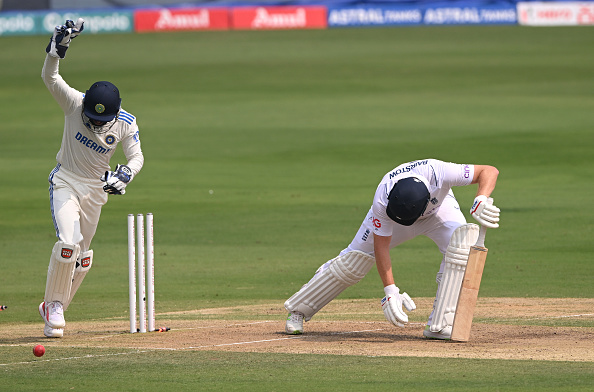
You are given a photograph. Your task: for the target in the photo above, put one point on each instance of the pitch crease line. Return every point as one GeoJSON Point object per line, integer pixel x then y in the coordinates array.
{"type": "Point", "coordinates": [551, 317]}
{"type": "Point", "coordinates": [273, 340]}
{"type": "Point", "coordinates": [193, 328]}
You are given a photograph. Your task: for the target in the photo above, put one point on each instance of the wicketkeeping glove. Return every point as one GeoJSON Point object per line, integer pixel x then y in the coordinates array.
{"type": "Point", "coordinates": [392, 307]}
{"type": "Point", "coordinates": [62, 36]}
{"type": "Point", "coordinates": [116, 181]}
{"type": "Point", "coordinates": [485, 212]}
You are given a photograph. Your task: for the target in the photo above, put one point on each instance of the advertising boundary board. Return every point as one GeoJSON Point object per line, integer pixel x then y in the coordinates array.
{"type": "Point", "coordinates": [390, 15]}
{"type": "Point", "coordinates": [181, 19]}
{"type": "Point", "coordinates": [333, 15]}
{"type": "Point", "coordinates": [556, 13]}
{"type": "Point", "coordinates": [41, 23]}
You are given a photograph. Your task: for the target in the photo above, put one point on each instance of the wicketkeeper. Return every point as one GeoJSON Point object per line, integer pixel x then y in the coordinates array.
{"type": "Point", "coordinates": [413, 199]}
{"type": "Point", "coordinates": [94, 124]}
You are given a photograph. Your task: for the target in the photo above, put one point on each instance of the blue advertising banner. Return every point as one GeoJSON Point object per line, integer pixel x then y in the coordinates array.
{"type": "Point", "coordinates": [422, 14]}
{"type": "Point", "coordinates": [470, 14]}
{"type": "Point", "coordinates": [374, 16]}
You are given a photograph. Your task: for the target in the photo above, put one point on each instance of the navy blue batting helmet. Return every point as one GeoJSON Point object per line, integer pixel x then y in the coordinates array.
{"type": "Point", "coordinates": [407, 201]}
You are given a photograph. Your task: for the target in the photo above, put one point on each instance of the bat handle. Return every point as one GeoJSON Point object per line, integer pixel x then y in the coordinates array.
{"type": "Point", "coordinates": [481, 238]}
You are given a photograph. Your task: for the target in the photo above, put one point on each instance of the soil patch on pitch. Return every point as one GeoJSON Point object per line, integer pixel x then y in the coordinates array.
{"type": "Point", "coordinates": [504, 328]}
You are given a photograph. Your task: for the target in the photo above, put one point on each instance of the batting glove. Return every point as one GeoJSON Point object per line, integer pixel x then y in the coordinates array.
{"type": "Point", "coordinates": [485, 212]}
{"type": "Point", "coordinates": [62, 36]}
{"type": "Point", "coordinates": [392, 306]}
{"type": "Point", "coordinates": [116, 181]}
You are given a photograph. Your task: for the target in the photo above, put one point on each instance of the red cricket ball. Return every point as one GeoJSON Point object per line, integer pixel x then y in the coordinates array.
{"type": "Point", "coordinates": [39, 350]}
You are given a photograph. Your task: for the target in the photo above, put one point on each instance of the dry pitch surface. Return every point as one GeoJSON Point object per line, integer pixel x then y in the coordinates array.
{"type": "Point", "coordinates": [504, 328]}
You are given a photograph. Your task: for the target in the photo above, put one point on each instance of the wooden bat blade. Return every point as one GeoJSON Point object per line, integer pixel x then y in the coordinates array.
{"type": "Point", "coordinates": [469, 293]}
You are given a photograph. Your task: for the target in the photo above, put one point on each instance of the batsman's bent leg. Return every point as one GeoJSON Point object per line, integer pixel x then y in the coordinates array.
{"type": "Point", "coordinates": [340, 273]}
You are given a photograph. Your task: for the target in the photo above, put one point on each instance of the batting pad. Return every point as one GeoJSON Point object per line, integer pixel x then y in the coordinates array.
{"type": "Point", "coordinates": [456, 258]}
{"type": "Point", "coordinates": [83, 265]}
{"type": "Point", "coordinates": [340, 273]}
{"type": "Point", "coordinates": [60, 272]}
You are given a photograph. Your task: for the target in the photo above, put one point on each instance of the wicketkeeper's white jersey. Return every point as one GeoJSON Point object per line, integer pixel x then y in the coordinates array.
{"type": "Point", "coordinates": [441, 177]}
{"type": "Point", "coordinates": [83, 152]}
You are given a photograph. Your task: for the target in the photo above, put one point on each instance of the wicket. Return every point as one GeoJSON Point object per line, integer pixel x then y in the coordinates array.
{"type": "Point", "coordinates": [144, 301]}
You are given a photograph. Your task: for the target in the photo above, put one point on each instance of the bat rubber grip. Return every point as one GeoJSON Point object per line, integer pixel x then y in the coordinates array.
{"type": "Point", "coordinates": [481, 237]}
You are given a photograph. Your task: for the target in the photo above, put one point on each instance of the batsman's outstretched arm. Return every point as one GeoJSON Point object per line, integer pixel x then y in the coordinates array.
{"type": "Point", "coordinates": [394, 301]}
{"type": "Point", "coordinates": [486, 178]}
{"type": "Point", "coordinates": [383, 262]}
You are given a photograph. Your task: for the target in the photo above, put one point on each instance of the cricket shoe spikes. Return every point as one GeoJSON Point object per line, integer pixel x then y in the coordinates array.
{"type": "Point", "coordinates": [48, 330]}
{"type": "Point", "coordinates": [294, 324]}
{"type": "Point", "coordinates": [444, 334]}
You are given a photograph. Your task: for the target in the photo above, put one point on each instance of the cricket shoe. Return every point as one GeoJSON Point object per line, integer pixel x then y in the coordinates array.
{"type": "Point", "coordinates": [53, 314]}
{"type": "Point", "coordinates": [49, 331]}
{"type": "Point", "coordinates": [444, 334]}
{"type": "Point", "coordinates": [53, 332]}
{"type": "Point", "coordinates": [294, 324]}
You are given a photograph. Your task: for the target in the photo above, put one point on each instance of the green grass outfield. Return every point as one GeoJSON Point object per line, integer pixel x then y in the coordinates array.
{"type": "Point", "coordinates": [262, 154]}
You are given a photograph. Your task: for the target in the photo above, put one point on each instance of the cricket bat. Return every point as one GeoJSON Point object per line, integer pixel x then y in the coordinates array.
{"type": "Point", "coordinates": [469, 289]}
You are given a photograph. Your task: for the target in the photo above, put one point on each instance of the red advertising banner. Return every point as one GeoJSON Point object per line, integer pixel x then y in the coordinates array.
{"type": "Point", "coordinates": [181, 19]}
{"type": "Point", "coordinates": [279, 18]}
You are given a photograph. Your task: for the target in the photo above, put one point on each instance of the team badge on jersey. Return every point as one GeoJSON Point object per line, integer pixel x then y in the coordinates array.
{"type": "Point", "coordinates": [110, 139]}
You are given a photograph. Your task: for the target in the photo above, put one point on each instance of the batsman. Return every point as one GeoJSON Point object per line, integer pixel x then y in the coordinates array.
{"type": "Point", "coordinates": [413, 199]}
{"type": "Point", "coordinates": [94, 124]}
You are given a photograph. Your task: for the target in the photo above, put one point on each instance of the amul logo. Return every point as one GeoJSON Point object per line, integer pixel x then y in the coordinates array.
{"type": "Point", "coordinates": [66, 253]}
{"type": "Point", "coordinates": [183, 20]}
{"type": "Point", "coordinates": [265, 19]}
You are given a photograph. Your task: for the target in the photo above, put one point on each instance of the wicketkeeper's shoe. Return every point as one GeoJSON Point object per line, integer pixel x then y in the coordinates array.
{"type": "Point", "coordinates": [444, 334]}
{"type": "Point", "coordinates": [48, 330]}
{"type": "Point", "coordinates": [54, 314]}
{"type": "Point", "coordinates": [294, 324]}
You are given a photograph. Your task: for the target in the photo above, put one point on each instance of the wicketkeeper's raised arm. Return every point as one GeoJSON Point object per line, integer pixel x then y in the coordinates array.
{"type": "Point", "coordinates": [66, 96]}
{"type": "Point", "coordinates": [63, 35]}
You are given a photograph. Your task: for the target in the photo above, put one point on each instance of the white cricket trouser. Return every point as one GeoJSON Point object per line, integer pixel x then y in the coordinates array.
{"type": "Point", "coordinates": [75, 206]}
{"type": "Point", "coordinates": [439, 227]}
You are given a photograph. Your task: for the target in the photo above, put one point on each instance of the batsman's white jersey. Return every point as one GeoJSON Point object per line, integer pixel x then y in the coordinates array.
{"type": "Point", "coordinates": [441, 217]}
{"type": "Point", "coordinates": [76, 191]}
{"type": "Point", "coordinates": [439, 220]}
